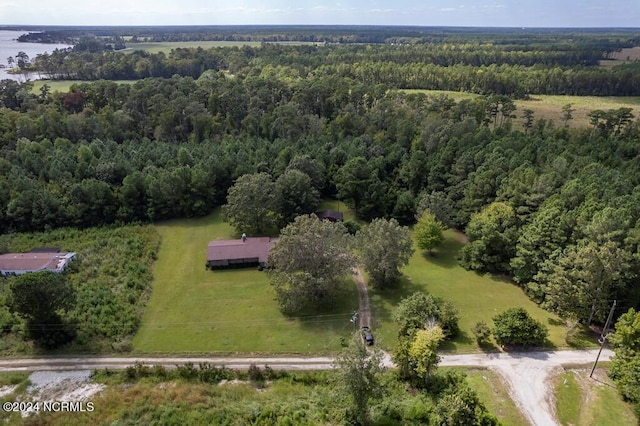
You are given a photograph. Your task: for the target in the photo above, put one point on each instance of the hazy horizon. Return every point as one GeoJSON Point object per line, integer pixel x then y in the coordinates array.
{"type": "Point", "coordinates": [438, 13]}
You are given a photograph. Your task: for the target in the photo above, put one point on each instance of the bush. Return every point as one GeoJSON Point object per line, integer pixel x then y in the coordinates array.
{"type": "Point", "coordinates": [515, 327]}
{"type": "Point", "coordinates": [482, 332]}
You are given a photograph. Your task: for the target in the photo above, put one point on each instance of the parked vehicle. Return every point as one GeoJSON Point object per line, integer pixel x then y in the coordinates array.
{"type": "Point", "coordinates": [367, 336]}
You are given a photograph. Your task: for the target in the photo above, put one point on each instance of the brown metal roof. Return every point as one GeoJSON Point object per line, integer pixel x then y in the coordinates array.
{"type": "Point", "coordinates": [34, 261]}
{"type": "Point", "coordinates": [255, 247]}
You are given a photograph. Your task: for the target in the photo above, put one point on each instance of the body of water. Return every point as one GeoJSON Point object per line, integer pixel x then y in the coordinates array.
{"type": "Point", "coordinates": [9, 47]}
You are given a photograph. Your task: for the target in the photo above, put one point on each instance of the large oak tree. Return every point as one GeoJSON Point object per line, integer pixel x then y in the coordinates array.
{"type": "Point", "coordinates": [308, 264]}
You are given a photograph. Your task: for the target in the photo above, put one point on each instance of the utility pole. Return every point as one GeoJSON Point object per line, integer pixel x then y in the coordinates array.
{"type": "Point", "coordinates": [603, 337]}
{"type": "Point", "coordinates": [354, 320]}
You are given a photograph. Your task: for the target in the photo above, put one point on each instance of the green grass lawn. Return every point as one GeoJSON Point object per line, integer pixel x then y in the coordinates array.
{"type": "Point", "coordinates": [495, 396]}
{"type": "Point", "coordinates": [550, 106]}
{"type": "Point", "coordinates": [478, 297]}
{"type": "Point", "coordinates": [582, 401]}
{"type": "Point", "coordinates": [195, 310]}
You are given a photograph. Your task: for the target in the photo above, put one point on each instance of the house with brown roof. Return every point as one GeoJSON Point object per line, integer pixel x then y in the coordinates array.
{"type": "Point", "coordinates": [241, 252]}
{"type": "Point", "coordinates": [23, 263]}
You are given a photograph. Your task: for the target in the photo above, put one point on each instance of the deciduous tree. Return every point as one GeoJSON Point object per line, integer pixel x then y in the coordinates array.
{"type": "Point", "coordinates": [625, 365]}
{"type": "Point", "coordinates": [42, 299]}
{"type": "Point", "coordinates": [384, 247]}
{"type": "Point", "coordinates": [309, 262]}
{"type": "Point", "coordinates": [358, 372]}
{"type": "Point", "coordinates": [295, 195]}
{"type": "Point", "coordinates": [422, 352]}
{"type": "Point", "coordinates": [251, 205]}
{"type": "Point", "coordinates": [428, 232]}
{"type": "Point", "coordinates": [492, 237]}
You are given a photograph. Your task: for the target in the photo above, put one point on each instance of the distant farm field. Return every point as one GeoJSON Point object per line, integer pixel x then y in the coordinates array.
{"type": "Point", "coordinates": [166, 47]}
{"type": "Point", "coordinates": [65, 85]}
{"type": "Point", "coordinates": [549, 107]}
{"type": "Point", "coordinates": [478, 297]}
{"type": "Point", "coordinates": [192, 309]}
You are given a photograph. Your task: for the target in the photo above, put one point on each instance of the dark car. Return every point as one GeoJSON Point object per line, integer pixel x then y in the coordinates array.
{"type": "Point", "coordinates": [367, 336]}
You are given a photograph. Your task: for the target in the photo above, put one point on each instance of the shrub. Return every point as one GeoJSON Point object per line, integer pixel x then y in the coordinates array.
{"type": "Point", "coordinates": [255, 374]}
{"type": "Point", "coordinates": [515, 327]}
{"type": "Point", "coordinates": [482, 332]}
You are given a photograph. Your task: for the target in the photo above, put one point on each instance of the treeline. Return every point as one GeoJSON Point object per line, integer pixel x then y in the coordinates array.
{"type": "Point", "coordinates": [473, 67]}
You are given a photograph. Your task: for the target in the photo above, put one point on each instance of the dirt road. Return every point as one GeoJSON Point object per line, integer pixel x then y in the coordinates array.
{"type": "Point", "coordinates": [526, 373]}
{"type": "Point", "coordinates": [364, 310]}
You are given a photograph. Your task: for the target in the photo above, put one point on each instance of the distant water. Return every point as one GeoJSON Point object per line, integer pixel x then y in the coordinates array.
{"type": "Point", "coordinates": [10, 47]}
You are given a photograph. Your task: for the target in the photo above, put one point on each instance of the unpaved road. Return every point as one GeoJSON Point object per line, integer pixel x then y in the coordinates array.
{"type": "Point", "coordinates": [526, 373]}
{"type": "Point", "coordinates": [364, 310]}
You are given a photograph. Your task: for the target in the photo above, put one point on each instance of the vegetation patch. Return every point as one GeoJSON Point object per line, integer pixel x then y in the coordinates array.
{"type": "Point", "coordinates": [581, 400]}
{"type": "Point", "coordinates": [156, 395]}
{"type": "Point", "coordinates": [495, 396]}
{"type": "Point", "coordinates": [111, 276]}
{"type": "Point", "coordinates": [549, 107]}
{"type": "Point", "coordinates": [193, 309]}
{"type": "Point", "coordinates": [477, 297]}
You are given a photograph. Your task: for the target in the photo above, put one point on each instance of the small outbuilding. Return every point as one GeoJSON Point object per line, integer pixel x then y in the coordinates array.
{"type": "Point", "coordinates": [330, 215]}
{"type": "Point", "coordinates": [243, 252]}
{"type": "Point", "coordinates": [23, 263]}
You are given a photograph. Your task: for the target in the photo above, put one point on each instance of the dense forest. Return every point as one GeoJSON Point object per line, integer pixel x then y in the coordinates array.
{"type": "Point", "coordinates": [555, 207]}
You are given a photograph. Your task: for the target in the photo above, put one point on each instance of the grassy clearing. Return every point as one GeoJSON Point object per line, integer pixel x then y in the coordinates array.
{"type": "Point", "coordinates": [166, 47]}
{"type": "Point", "coordinates": [581, 400]}
{"type": "Point", "coordinates": [495, 396]}
{"type": "Point", "coordinates": [65, 85]}
{"type": "Point", "coordinates": [549, 107]}
{"type": "Point", "coordinates": [631, 54]}
{"type": "Point", "coordinates": [478, 297]}
{"type": "Point", "coordinates": [192, 309]}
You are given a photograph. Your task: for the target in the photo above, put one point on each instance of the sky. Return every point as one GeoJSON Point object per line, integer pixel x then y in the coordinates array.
{"type": "Point", "coordinates": [483, 13]}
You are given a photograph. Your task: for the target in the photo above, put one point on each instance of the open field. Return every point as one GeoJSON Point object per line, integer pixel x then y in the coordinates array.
{"type": "Point", "coordinates": [195, 310]}
{"type": "Point", "coordinates": [582, 401]}
{"type": "Point", "coordinates": [477, 297]}
{"type": "Point", "coordinates": [166, 47]}
{"type": "Point", "coordinates": [192, 309]}
{"type": "Point", "coordinates": [65, 85]}
{"type": "Point", "coordinates": [549, 107]}
{"type": "Point", "coordinates": [631, 54]}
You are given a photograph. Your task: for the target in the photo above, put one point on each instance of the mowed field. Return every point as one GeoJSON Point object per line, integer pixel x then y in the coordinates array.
{"type": "Point", "coordinates": [194, 310]}
{"type": "Point", "coordinates": [549, 107]}
{"type": "Point", "coordinates": [166, 47]}
{"type": "Point", "coordinates": [65, 85]}
{"type": "Point", "coordinates": [478, 297]}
